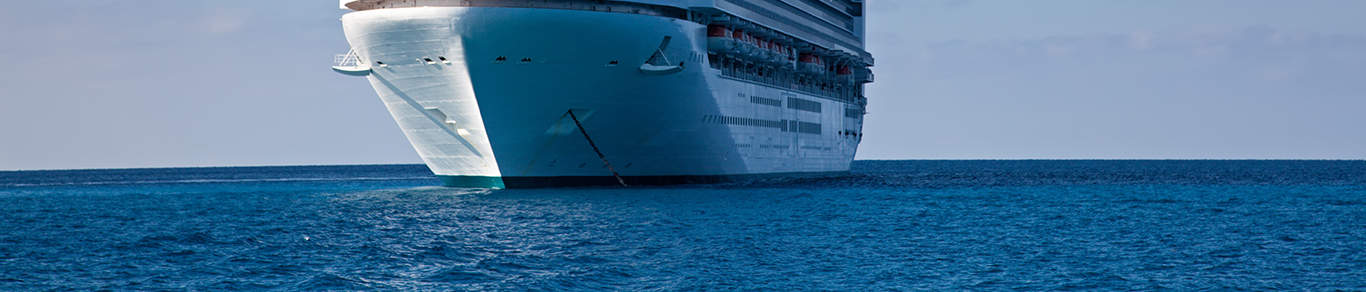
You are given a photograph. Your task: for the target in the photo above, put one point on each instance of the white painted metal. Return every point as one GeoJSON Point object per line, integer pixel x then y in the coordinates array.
{"type": "Point", "coordinates": [350, 64]}
{"type": "Point", "coordinates": [496, 106]}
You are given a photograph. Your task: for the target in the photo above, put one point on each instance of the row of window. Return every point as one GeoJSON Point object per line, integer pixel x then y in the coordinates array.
{"type": "Point", "coordinates": [787, 79]}
{"type": "Point", "coordinates": [740, 121]}
{"type": "Point", "coordinates": [766, 101]}
{"type": "Point", "coordinates": [783, 125]}
{"type": "Point", "coordinates": [853, 113]}
{"type": "Point", "coordinates": [804, 105]}
{"type": "Point", "coordinates": [808, 128]}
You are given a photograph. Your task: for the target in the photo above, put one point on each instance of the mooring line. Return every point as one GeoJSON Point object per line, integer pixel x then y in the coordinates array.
{"type": "Point", "coordinates": [595, 148]}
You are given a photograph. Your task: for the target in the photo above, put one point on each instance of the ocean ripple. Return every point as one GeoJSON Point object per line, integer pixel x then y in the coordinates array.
{"type": "Point", "coordinates": [889, 225]}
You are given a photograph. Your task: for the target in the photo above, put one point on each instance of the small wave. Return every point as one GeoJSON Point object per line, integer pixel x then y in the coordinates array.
{"type": "Point", "coordinates": [460, 275]}
{"type": "Point", "coordinates": [332, 282]}
{"type": "Point", "coordinates": [157, 240]}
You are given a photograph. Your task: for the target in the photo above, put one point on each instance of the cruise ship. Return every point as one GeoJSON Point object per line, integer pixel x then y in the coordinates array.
{"type": "Point", "coordinates": [538, 93]}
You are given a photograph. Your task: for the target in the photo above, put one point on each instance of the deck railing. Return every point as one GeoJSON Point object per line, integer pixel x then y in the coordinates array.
{"type": "Point", "coordinates": [350, 59]}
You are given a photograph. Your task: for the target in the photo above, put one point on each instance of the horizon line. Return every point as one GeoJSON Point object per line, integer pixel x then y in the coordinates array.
{"type": "Point", "coordinates": [907, 159]}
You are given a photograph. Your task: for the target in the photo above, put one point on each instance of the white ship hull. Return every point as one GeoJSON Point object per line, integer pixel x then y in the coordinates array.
{"type": "Point", "coordinates": [480, 120]}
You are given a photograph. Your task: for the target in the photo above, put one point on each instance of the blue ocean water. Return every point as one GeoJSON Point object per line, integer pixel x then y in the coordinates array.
{"type": "Point", "coordinates": [888, 225]}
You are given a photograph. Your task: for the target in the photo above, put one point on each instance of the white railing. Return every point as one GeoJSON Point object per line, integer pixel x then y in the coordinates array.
{"type": "Point", "coordinates": [350, 59]}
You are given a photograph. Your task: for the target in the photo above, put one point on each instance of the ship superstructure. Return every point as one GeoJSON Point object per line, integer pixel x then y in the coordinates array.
{"type": "Point", "coordinates": [511, 93]}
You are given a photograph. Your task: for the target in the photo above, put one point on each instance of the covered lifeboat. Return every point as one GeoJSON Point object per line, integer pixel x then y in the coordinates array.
{"type": "Point", "coordinates": [844, 71]}
{"type": "Point", "coordinates": [719, 39]}
{"type": "Point", "coordinates": [780, 54]}
{"type": "Point", "coordinates": [745, 42]}
{"type": "Point", "coordinates": [810, 63]}
{"type": "Point", "coordinates": [765, 50]}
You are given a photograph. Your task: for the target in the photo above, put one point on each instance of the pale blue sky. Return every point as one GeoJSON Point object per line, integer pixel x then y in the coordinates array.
{"type": "Point", "coordinates": [101, 84]}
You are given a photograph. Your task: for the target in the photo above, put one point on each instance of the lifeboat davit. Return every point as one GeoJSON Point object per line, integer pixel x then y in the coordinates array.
{"type": "Point", "coordinates": [790, 57]}
{"type": "Point", "coordinates": [719, 39]}
{"type": "Point", "coordinates": [779, 54]}
{"type": "Point", "coordinates": [751, 45]}
{"type": "Point", "coordinates": [764, 53]}
{"type": "Point", "coordinates": [738, 40]}
{"type": "Point", "coordinates": [810, 64]}
{"type": "Point", "coordinates": [773, 53]}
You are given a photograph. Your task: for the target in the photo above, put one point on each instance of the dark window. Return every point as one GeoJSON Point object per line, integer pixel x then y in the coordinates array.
{"type": "Point", "coordinates": [853, 113]}
{"type": "Point", "coordinates": [808, 128]}
{"type": "Point", "coordinates": [742, 121]}
{"type": "Point", "coordinates": [802, 104]}
{"type": "Point", "coordinates": [766, 101]}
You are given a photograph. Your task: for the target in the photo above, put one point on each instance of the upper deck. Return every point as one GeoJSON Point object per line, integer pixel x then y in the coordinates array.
{"type": "Point", "coordinates": [833, 24]}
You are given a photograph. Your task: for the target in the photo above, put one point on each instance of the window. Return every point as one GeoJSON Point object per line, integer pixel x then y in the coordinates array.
{"type": "Point", "coordinates": [802, 104]}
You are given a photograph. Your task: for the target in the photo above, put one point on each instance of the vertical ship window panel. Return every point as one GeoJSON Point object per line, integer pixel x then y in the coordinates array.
{"type": "Point", "coordinates": [766, 101]}
{"type": "Point", "coordinates": [752, 122]}
{"type": "Point", "coordinates": [853, 113]}
{"type": "Point", "coordinates": [804, 105]}
{"type": "Point", "coordinates": [808, 128]}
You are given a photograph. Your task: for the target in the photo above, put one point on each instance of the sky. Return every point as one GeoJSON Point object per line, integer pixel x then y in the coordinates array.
{"type": "Point", "coordinates": [161, 83]}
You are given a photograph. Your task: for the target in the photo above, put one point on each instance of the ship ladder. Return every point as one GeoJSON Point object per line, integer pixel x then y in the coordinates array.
{"type": "Point", "coordinates": [595, 148]}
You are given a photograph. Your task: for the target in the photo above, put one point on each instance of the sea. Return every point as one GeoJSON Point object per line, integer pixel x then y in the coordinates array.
{"type": "Point", "coordinates": [886, 225]}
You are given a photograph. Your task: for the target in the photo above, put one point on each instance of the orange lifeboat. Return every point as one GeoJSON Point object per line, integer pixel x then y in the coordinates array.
{"type": "Point", "coordinates": [845, 71]}
{"type": "Point", "coordinates": [810, 63]}
{"type": "Point", "coordinates": [779, 53]}
{"type": "Point", "coordinates": [751, 44]}
{"type": "Point", "coordinates": [742, 42]}
{"type": "Point", "coordinates": [764, 53]}
{"type": "Point", "coordinates": [719, 39]}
